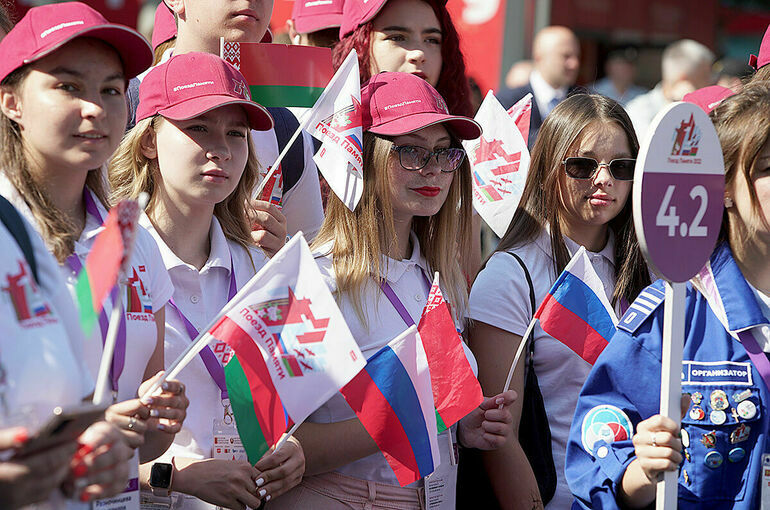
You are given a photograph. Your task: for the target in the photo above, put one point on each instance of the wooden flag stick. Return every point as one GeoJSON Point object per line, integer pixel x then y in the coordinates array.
{"type": "Point", "coordinates": [286, 437]}
{"type": "Point", "coordinates": [671, 381]}
{"type": "Point", "coordinates": [516, 358]}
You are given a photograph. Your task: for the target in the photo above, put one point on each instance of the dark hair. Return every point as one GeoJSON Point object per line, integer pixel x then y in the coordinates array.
{"type": "Point", "coordinates": [6, 23]}
{"type": "Point", "coordinates": [540, 205]}
{"type": "Point", "coordinates": [324, 38]}
{"type": "Point", "coordinates": [742, 122]}
{"type": "Point", "coordinates": [452, 83]}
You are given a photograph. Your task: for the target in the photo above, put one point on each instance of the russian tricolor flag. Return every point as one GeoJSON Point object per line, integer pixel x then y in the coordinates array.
{"type": "Point", "coordinates": [576, 310]}
{"type": "Point", "coordinates": [392, 397]}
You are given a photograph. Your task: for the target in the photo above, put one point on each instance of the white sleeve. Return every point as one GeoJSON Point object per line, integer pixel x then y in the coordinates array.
{"type": "Point", "coordinates": [161, 288]}
{"type": "Point", "coordinates": [500, 295]}
{"type": "Point", "coordinates": [302, 204]}
{"type": "Point", "coordinates": [55, 290]}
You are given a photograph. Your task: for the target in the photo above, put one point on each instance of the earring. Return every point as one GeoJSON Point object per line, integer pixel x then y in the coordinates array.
{"type": "Point", "coordinates": [728, 202]}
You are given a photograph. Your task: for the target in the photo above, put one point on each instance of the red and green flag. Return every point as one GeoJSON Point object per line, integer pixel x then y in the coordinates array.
{"type": "Point", "coordinates": [456, 390]}
{"type": "Point", "coordinates": [111, 249]}
{"type": "Point", "coordinates": [281, 74]}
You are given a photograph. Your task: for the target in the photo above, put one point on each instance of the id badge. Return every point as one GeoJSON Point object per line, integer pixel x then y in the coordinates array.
{"type": "Point", "coordinates": [765, 482]}
{"type": "Point", "coordinates": [441, 485]}
{"type": "Point", "coordinates": [129, 498]}
{"type": "Point", "coordinates": [227, 443]}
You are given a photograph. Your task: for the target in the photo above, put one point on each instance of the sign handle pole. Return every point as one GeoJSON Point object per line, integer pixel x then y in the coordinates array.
{"type": "Point", "coordinates": [671, 381]}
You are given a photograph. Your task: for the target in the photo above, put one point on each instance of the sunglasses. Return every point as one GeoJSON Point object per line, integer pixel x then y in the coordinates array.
{"type": "Point", "coordinates": [413, 157]}
{"type": "Point", "coordinates": [586, 168]}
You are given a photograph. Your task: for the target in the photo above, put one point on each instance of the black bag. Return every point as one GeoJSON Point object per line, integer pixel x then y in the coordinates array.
{"type": "Point", "coordinates": [15, 225]}
{"type": "Point", "coordinates": [473, 487]}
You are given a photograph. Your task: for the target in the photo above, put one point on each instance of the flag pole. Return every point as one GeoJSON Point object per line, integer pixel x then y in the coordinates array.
{"type": "Point", "coordinates": [286, 436]}
{"type": "Point", "coordinates": [100, 391]}
{"type": "Point", "coordinates": [203, 338]}
{"type": "Point", "coordinates": [519, 350]}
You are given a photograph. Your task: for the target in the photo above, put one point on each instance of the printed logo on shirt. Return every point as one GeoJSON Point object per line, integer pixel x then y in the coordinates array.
{"type": "Point", "coordinates": [27, 301]}
{"type": "Point", "coordinates": [716, 373]}
{"type": "Point", "coordinates": [138, 301]}
{"type": "Point", "coordinates": [299, 334]}
{"type": "Point", "coordinates": [605, 423]}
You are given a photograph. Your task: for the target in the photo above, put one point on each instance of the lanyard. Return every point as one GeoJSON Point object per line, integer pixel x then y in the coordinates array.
{"type": "Point", "coordinates": [397, 304]}
{"type": "Point", "coordinates": [119, 357]}
{"type": "Point", "coordinates": [213, 366]}
{"type": "Point", "coordinates": [705, 283]}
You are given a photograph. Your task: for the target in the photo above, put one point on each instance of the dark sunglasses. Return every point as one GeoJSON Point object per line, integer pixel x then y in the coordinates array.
{"type": "Point", "coordinates": [586, 168]}
{"type": "Point", "coordinates": [413, 157]}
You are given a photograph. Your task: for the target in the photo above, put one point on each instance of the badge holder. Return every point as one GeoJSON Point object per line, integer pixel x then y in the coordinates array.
{"type": "Point", "coordinates": [441, 485]}
{"type": "Point", "coordinates": [227, 443]}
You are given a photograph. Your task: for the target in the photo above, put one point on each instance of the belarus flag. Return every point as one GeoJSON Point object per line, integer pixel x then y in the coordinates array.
{"type": "Point", "coordinates": [576, 310]}
{"type": "Point", "coordinates": [392, 397]}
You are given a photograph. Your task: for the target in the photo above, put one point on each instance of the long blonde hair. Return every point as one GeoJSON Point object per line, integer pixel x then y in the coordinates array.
{"type": "Point", "coordinates": [361, 237]}
{"type": "Point", "coordinates": [57, 230]}
{"type": "Point", "coordinates": [131, 173]}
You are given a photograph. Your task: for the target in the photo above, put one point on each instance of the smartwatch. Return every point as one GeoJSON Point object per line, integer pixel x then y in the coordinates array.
{"type": "Point", "coordinates": [161, 475]}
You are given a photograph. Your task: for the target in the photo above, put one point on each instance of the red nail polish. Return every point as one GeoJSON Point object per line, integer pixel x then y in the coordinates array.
{"type": "Point", "coordinates": [79, 470]}
{"type": "Point", "coordinates": [85, 497]}
{"type": "Point", "coordinates": [84, 450]}
{"type": "Point", "coordinates": [21, 437]}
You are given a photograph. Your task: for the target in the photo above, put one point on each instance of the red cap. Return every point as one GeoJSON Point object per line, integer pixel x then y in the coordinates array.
{"type": "Point", "coordinates": [164, 28]}
{"type": "Point", "coordinates": [192, 84]}
{"type": "Point", "coordinates": [47, 28]}
{"type": "Point", "coordinates": [357, 12]}
{"type": "Point", "coordinates": [708, 98]}
{"type": "Point", "coordinates": [764, 52]}
{"type": "Point", "coordinates": [399, 103]}
{"type": "Point", "coordinates": [313, 15]}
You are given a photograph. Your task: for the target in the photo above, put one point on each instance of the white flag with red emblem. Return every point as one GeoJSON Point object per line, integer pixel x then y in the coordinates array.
{"type": "Point", "coordinates": [499, 162]}
{"type": "Point", "coordinates": [336, 120]}
{"type": "Point", "coordinates": [521, 113]}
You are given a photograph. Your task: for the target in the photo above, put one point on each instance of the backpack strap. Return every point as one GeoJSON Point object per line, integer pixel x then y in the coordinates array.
{"type": "Point", "coordinates": [15, 225]}
{"type": "Point", "coordinates": [293, 163]}
{"type": "Point", "coordinates": [531, 302]}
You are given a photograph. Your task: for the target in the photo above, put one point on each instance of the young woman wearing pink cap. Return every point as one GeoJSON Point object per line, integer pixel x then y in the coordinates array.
{"type": "Point", "coordinates": [577, 193]}
{"type": "Point", "coordinates": [62, 82]}
{"type": "Point", "coordinates": [415, 204]}
{"type": "Point", "coordinates": [191, 152]}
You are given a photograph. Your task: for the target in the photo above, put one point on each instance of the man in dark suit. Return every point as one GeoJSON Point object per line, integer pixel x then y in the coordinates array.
{"type": "Point", "coordinates": [556, 58]}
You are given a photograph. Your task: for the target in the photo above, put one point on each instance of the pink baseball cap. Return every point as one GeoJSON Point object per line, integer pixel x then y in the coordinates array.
{"type": "Point", "coordinates": [764, 52]}
{"type": "Point", "coordinates": [47, 28]}
{"type": "Point", "coordinates": [313, 15]}
{"type": "Point", "coordinates": [164, 28]}
{"type": "Point", "coordinates": [357, 12]}
{"type": "Point", "coordinates": [192, 84]}
{"type": "Point", "coordinates": [400, 103]}
{"type": "Point", "coordinates": [708, 98]}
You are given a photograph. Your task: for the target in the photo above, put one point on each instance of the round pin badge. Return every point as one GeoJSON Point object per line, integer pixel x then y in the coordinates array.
{"type": "Point", "coordinates": [747, 409]}
{"type": "Point", "coordinates": [696, 398]}
{"type": "Point", "coordinates": [713, 459]}
{"type": "Point", "coordinates": [685, 438]}
{"type": "Point", "coordinates": [736, 454]}
{"type": "Point", "coordinates": [717, 417]}
{"type": "Point", "coordinates": [719, 400]}
{"type": "Point", "coordinates": [697, 413]}
{"type": "Point", "coordinates": [709, 439]}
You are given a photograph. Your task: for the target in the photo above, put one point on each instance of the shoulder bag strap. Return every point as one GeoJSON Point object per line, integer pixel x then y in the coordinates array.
{"type": "Point", "coordinates": [531, 302]}
{"type": "Point", "coordinates": [15, 225]}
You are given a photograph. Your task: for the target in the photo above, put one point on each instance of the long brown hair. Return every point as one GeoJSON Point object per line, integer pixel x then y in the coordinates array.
{"type": "Point", "coordinates": [360, 237]}
{"type": "Point", "coordinates": [132, 173]}
{"type": "Point", "coordinates": [540, 205]}
{"type": "Point", "coordinates": [57, 230]}
{"type": "Point", "coordinates": [743, 125]}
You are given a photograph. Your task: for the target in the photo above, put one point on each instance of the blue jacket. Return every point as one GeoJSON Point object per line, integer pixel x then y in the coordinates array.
{"type": "Point", "coordinates": [623, 389]}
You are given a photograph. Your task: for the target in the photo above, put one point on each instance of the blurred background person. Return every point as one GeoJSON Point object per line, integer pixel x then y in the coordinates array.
{"type": "Point", "coordinates": [685, 67]}
{"type": "Point", "coordinates": [556, 61]}
{"type": "Point", "coordinates": [519, 73]}
{"type": "Point", "coordinates": [620, 71]}
{"type": "Point", "coordinates": [163, 34]}
{"type": "Point", "coordinates": [314, 23]}
{"type": "Point", "coordinates": [732, 73]}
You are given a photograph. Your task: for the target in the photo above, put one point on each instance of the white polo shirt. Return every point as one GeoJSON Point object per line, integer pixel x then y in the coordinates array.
{"type": "Point", "coordinates": [200, 295]}
{"type": "Point", "coordinates": [383, 324]}
{"type": "Point", "coordinates": [147, 291]}
{"type": "Point", "coordinates": [500, 298]}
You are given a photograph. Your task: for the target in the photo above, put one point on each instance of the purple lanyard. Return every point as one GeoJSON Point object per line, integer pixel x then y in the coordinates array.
{"type": "Point", "coordinates": [397, 304]}
{"type": "Point", "coordinates": [213, 366]}
{"type": "Point", "coordinates": [119, 357]}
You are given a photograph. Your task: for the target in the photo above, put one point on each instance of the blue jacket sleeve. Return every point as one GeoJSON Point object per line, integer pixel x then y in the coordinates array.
{"type": "Point", "coordinates": [622, 389]}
